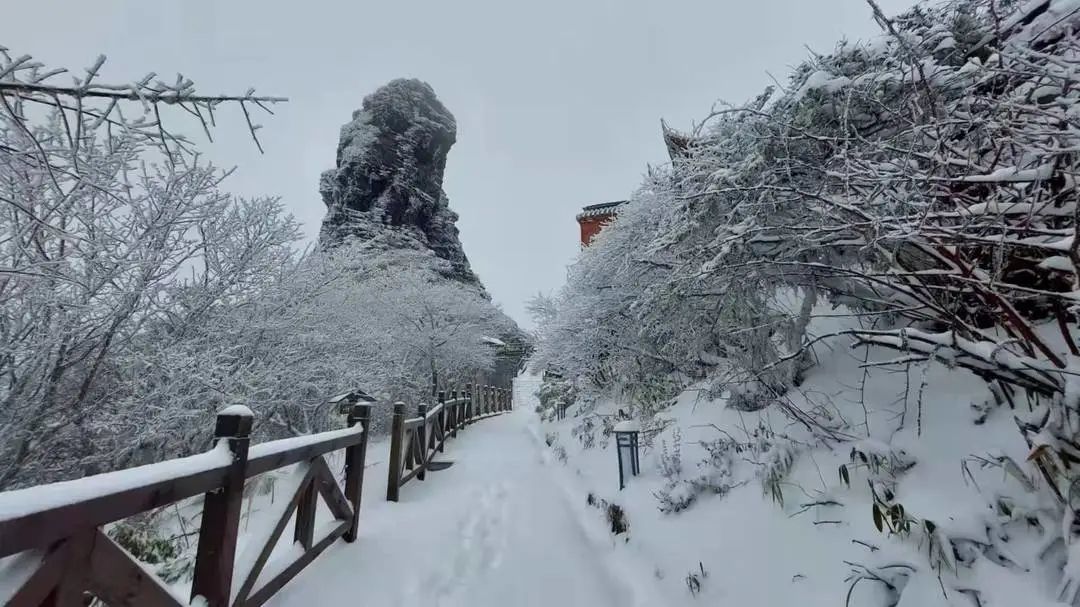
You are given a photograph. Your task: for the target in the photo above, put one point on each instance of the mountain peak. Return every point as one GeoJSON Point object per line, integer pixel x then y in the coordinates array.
{"type": "Point", "coordinates": [390, 163]}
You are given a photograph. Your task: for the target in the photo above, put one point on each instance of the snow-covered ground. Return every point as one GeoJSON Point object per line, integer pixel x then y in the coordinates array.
{"type": "Point", "coordinates": [521, 517]}
{"type": "Point", "coordinates": [502, 526]}
{"type": "Point", "coordinates": [511, 523]}
{"type": "Point", "coordinates": [739, 544]}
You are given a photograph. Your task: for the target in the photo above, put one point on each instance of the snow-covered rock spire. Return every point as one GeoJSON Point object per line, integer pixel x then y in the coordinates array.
{"type": "Point", "coordinates": [390, 163]}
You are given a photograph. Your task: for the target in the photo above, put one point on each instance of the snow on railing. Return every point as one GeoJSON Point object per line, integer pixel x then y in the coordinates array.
{"type": "Point", "coordinates": [42, 498]}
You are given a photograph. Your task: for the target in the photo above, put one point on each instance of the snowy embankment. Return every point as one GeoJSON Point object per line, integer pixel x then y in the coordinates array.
{"type": "Point", "coordinates": [750, 508]}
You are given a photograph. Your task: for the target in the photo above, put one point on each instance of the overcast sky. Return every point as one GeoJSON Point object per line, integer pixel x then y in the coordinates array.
{"type": "Point", "coordinates": [558, 102]}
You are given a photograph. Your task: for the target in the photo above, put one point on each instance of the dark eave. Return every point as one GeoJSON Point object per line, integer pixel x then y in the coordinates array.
{"type": "Point", "coordinates": [604, 208]}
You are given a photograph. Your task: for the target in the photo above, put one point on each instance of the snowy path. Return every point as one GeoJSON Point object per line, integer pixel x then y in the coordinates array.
{"type": "Point", "coordinates": [496, 528]}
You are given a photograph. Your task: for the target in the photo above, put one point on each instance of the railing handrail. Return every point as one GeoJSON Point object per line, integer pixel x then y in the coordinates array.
{"type": "Point", "coordinates": [434, 411]}
{"type": "Point", "coordinates": [275, 454]}
{"type": "Point", "coordinates": [64, 520]}
{"type": "Point", "coordinates": [37, 516]}
{"type": "Point", "coordinates": [47, 515]}
{"type": "Point", "coordinates": [415, 440]}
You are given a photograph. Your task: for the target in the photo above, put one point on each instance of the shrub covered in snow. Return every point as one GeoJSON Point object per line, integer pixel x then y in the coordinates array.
{"type": "Point", "coordinates": [924, 186]}
{"type": "Point", "coordinates": [556, 394]}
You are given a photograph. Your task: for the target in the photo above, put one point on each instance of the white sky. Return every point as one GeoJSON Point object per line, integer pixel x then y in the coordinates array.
{"type": "Point", "coordinates": [557, 102]}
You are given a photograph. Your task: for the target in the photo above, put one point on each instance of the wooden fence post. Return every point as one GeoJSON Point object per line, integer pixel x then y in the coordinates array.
{"type": "Point", "coordinates": [459, 417]}
{"type": "Point", "coordinates": [460, 410]}
{"type": "Point", "coordinates": [397, 438]}
{"type": "Point", "coordinates": [441, 420]}
{"type": "Point", "coordinates": [448, 418]}
{"type": "Point", "coordinates": [455, 413]}
{"type": "Point", "coordinates": [304, 532]}
{"type": "Point", "coordinates": [468, 405]}
{"type": "Point", "coordinates": [354, 466]}
{"type": "Point", "coordinates": [221, 513]}
{"type": "Point", "coordinates": [421, 438]}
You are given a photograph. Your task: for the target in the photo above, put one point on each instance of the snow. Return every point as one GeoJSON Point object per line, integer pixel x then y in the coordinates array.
{"type": "Point", "coordinates": [822, 80]}
{"type": "Point", "coordinates": [21, 502]}
{"type": "Point", "coordinates": [1057, 262]}
{"type": "Point", "coordinates": [257, 538]}
{"type": "Point", "coordinates": [493, 341]}
{"type": "Point", "coordinates": [1060, 15]}
{"type": "Point", "coordinates": [15, 570]}
{"type": "Point", "coordinates": [502, 526]}
{"type": "Point", "coordinates": [1012, 174]}
{"type": "Point", "coordinates": [239, 410]}
{"type": "Point", "coordinates": [627, 426]}
{"type": "Point", "coordinates": [756, 551]}
{"type": "Point", "coordinates": [508, 523]}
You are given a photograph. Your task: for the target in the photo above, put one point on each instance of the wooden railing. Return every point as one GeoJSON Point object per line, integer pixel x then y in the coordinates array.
{"type": "Point", "coordinates": [414, 441]}
{"type": "Point", "coordinates": [64, 557]}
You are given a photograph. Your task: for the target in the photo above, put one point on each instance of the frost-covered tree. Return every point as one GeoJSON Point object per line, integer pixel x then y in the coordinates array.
{"type": "Point", "coordinates": [137, 297]}
{"type": "Point", "coordinates": [439, 325]}
{"type": "Point", "coordinates": [103, 211]}
{"type": "Point", "coordinates": [926, 176]}
{"type": "Point", "coordinates": [333, 320]}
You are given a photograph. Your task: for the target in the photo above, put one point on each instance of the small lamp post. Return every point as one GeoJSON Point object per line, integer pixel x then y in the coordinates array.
{"type": "Point", "coordinates": [626, 446]}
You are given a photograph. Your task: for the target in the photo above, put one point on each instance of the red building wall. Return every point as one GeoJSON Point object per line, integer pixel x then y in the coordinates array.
{"type": "Point", "coordinates": [591, 226]}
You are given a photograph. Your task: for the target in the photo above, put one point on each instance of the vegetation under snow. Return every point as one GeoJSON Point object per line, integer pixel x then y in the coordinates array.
{"type": "Point", "coordinates": [914, 196]}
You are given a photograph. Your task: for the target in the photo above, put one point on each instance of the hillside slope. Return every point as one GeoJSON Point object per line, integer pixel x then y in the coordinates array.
{"type": "Point", "coordinates": [750, 508]}
{"type": "Point", "coordinates": [912, 197]}
{"type": "Point", "coordinates": [388, 180]}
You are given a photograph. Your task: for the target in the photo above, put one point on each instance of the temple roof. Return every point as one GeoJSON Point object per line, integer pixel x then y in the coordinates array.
{"type": "Point", "coordinates": [604, 208]}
